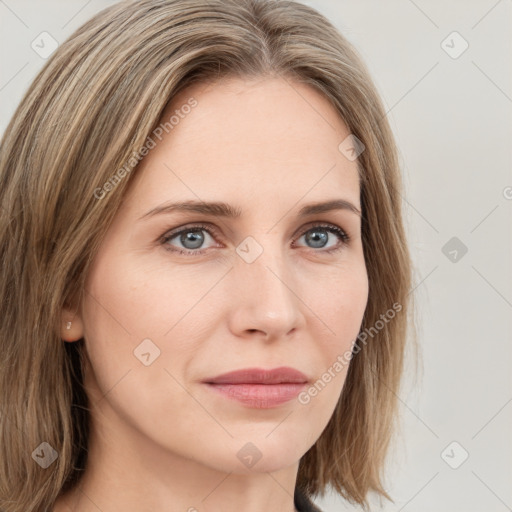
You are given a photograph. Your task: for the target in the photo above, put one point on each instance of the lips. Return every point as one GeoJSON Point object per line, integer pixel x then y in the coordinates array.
{"type": "Point", "coordinates": [281, 375]}
{"type": "Point", "coordinates": [258, 388]}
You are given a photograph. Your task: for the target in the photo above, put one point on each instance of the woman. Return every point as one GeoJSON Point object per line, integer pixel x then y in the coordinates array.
{"type": "Point", "coordinates": [205, 272]}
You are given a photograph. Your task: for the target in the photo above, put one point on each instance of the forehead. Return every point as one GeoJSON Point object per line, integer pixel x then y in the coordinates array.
{"type": "Point", "coordinates": [269, 136]}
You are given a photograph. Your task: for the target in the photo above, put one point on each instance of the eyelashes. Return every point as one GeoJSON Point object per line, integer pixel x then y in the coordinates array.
{"type": "Point", "coordinates": [343, 238]}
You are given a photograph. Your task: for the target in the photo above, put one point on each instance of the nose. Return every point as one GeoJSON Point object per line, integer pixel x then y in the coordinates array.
{"type": "Point", "coordinates": [265, 299]}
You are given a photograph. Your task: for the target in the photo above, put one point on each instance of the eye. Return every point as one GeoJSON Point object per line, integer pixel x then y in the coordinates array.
{"type": "Point", "coordinates": [192, 238]}
{"type": "Point", "coordinates": [318, 236]}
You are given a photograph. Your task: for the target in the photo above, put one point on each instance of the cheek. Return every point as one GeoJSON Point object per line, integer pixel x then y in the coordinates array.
{"type": "Point", "coordinates": [340, 304]}
{"type": "Point", "coordinates": [138, 300]}
{"type": "Point", "coordinates": [133, 309]}
{"type": "Point", "coordinates": [121, 312]}
{"type": "Point", "coordinates": [133, 316]}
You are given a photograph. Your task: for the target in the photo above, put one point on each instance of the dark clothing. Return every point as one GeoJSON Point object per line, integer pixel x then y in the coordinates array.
{"type": "Point", "coordinates": [303, 503]}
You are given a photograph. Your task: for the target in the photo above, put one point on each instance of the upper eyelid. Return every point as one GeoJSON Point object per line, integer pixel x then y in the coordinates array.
{"type": "Point", "coordinates": [211, 229]}
{"type": "Point", "coordinates": [171, 233]}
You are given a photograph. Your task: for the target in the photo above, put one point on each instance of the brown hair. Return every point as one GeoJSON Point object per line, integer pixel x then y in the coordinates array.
{"type": "Point", "coordinates": [88, 111]}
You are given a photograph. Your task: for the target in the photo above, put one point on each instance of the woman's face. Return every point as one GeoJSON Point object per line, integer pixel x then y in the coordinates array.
{"type": "Point", "coordinates": [265, 289]}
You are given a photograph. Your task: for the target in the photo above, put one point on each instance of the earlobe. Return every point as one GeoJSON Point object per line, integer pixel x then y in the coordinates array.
{"type": "Point", "coordinates": [71, 326]}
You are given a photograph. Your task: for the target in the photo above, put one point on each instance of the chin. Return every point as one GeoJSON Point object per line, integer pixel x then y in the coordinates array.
{"type": "Point", "coordinates": [261, 453]}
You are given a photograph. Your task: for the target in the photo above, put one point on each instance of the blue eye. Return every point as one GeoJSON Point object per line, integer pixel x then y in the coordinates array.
{"type": "Point", "coordinates": [319, 236]}
{"type": "Point", "coordinates": [192, 238]}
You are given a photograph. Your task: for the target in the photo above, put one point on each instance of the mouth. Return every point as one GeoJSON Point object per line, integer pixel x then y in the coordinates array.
{"type": "Point", "coordinates": [259, 388]}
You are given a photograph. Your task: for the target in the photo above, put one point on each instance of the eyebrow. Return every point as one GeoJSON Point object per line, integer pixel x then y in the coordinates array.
{"type": "Point", "coordinates": [221, 209]}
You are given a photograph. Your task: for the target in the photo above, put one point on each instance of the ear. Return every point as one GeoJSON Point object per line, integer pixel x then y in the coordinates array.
{"type": "Point", "coordinates": [72, 328]}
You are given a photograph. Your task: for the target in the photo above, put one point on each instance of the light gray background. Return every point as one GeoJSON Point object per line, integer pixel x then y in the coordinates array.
{"type": "Point", "coordinates": [452, 121]}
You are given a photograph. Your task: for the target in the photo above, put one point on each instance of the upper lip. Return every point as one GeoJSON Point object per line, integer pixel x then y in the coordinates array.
{"type": "Point", "coordinates": [283, 374]}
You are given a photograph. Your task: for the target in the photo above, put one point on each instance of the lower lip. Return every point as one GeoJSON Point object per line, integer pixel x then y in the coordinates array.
{"type": "Point", "coordinates": [259, 396]}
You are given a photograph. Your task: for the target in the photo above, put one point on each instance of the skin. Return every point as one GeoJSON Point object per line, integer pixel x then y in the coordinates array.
{"type": "Point", "coordinates": [160, 439]}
